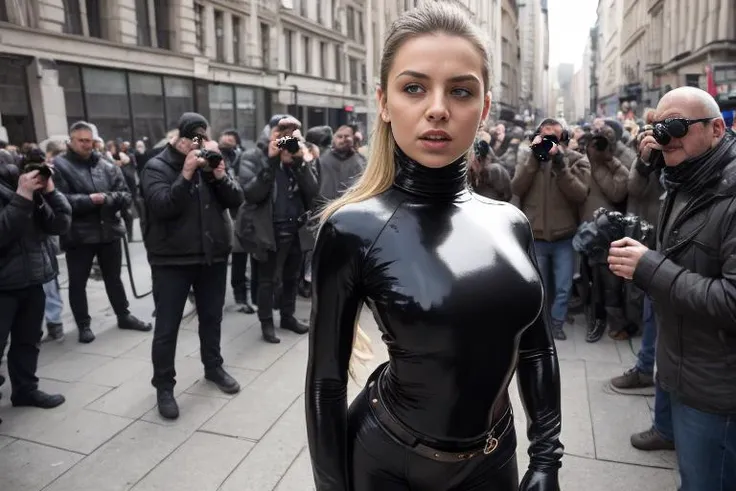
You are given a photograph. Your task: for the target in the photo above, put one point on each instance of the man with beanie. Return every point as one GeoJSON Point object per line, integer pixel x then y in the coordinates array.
{"type": "Point", "coordinates": [188, 192]}
{"type": "Point", "coordinates": [340, 166]}
{"type": "Point", "coordinates": [279, 186]}
{"type": "Point", "coordinates": [98, 195]}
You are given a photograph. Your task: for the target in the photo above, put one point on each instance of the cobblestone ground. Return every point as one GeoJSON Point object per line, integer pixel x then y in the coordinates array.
{"type": "Point", "coordinates": [109, 436]}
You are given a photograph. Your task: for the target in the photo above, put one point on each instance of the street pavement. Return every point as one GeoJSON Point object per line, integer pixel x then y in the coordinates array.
{"type": "Point", "coordinates": [109, 436]}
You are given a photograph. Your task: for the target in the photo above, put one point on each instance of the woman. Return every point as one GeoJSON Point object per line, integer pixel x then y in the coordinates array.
{"type": "Point", "coordinates": [452, 282]}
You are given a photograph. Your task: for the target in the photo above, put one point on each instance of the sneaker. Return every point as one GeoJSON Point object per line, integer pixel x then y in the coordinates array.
{"type": "Point", "coordinates": [167, 406]}
{"type": "Point", "coordinates": [290, 323]}
{"type": "Point", "coordinates": [651, 440]}
{"type": "Point", "coordinates": [132, 323]}
{"type": "Point", "coordinates": [633, 379]}
{"type": "Point", "coordinates": [37, 398]}
{"type": "Point", "coordinates": [224, 381]}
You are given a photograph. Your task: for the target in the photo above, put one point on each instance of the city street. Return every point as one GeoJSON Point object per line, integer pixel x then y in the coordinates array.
{"type": "Point", "coordinates": [109, 436]}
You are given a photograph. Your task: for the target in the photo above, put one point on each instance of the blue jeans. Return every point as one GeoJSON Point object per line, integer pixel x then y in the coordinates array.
{"type": "Point", "coordinates": [663, 414]}
{"type": "Point", "coordinates": [556, 259]}
{"type": "Point", "coordinates": [645, 358]}
{"type": "Point", "coordinates": [54, 303]}
{"type": "Point", "coordinates": [706, 448]}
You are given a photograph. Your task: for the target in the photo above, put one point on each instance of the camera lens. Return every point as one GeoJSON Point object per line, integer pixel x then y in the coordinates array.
{"type": "Point", "coordinates": [661, 135]}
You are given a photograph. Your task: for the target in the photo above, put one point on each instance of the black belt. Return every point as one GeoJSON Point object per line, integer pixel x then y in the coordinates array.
{"type": "Point", "coordinates": [486, 447]}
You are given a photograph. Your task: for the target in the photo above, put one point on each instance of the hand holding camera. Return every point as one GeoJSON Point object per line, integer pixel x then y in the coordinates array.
{"type": "Point", "coordinates": [545, 146]}
{"type": "Point", "coordinates": [29, 183]}
{"type": "Point", "coordinates": [649, 149]}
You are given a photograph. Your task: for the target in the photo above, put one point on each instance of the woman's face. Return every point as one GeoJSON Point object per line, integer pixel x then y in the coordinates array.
{"type": "Point", "coordinates": [434, 98]}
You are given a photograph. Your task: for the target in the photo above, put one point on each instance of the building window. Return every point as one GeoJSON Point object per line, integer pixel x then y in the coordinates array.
{"type": "Point", "coordinates": [199, 27]}
{"type": "Point", "coordinates": [237, 58]}
{"type": "Point", "coordinates": [179, 99]}
{"type": "Point", "coordinates": [72, 17]}
{"type": "Point", "coordinates": [246, 119]}
{"type": "Point", "coordinates": [70, 78]}
{"type": "Point", "coordinates": [320, 17]}
{"type": "Point", "coordinates": [164, 32]}
{"type": "Point", "coordinates": [219, 36]}
{"type": "Point", "coordinates": [106, 98]}
{"type": "Point", "coordinates": [222, 108]}
{"type": "Point", "coordinates": [323, 59]}
{"type": "Point", "coordinates": [266, 46]}
{"type": "Point", "coordinates": [19, 12]}
{"type": "Point", "coordinates": [289, 50]}
{"type": "Point", "coordinates": [353, 67]}
{"type": "Point", "coordinates": [350, 14]}
{"type": "Point", "coordinates": [303, 10]}
{"type": "Point", "coordinates": [147, 102]}
{"type": "Point", "coordinates": [361, 32]}
{"type": "Point", "coordinates": [338, 63]}
{"type": "Point", "coordinates": [307, 56]}
{"type": "Point", "coordinates": [363, 79]}
{"type": "Point", "coordinates": [95, 20]}
{"type": "Point", "coordinates": [143, 23]}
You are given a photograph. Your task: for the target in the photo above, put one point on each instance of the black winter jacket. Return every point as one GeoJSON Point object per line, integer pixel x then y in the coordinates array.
{"type": "Point", "coordinates": [26, 254]}
{"type": "Point", "coordinates": [187, 221]}
{"type": "Point", "coordinates": [77, 179]}
{"type": "Point", "coordinates": [257, 175]}
{"type": "Point", "coordinates": [691, 278]}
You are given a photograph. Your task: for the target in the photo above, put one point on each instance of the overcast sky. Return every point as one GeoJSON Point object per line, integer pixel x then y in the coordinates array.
{"type": "Point", "coordinates": [567, 37]}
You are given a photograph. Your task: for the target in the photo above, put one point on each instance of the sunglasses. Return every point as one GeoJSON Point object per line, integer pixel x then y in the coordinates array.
{"type": "Point", "coordinates": [665, 131]}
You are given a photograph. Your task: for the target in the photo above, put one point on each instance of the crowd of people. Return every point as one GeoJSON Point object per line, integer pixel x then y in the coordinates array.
{"type": "Point", "coordinates": [631, 222]}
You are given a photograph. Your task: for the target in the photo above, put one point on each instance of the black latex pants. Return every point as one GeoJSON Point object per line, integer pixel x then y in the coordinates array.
{"type": "Point", "coordinates": [381, 463]}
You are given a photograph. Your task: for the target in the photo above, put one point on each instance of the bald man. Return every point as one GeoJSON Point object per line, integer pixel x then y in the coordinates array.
{"type": "Point", "coordinates": [691, 278]}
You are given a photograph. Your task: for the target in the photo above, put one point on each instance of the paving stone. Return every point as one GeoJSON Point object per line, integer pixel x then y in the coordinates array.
{"type": "Point", "coordinates": [261, 403]}
{"type": "Point", "coordinates": [118, 371]}
{"type": "Point", "coordinates": [5, 441]}
{"type": "Point", "coordinates": [299, 476]}
{"type": "Point", "coordinates": [273, 455]}
{"type": "Point", "coordinates": [187, 343]}
{"type": "Point", "coordinates": [122, 461]}
{"type": "Point", "coordinates": [616, 417]}
{"type": "Point", "coordinates": [577, 434]}
{"type": "Point", "coordinates": [201, 464]}
{"type": "Point", "coordinates": [72, 366]}
{"type": "Point", "coordinates": [112, 341]}
{"type": "Point", "coordinates": [193, 412]}
{"type": "Point", "coordinates": [27, 466]}
{"type": "Point", "coordinates": [579, 474]}
{"type": "Point", "coordinates": [248, 350]}
{"type": "Point", "coordinates": [205, 388]}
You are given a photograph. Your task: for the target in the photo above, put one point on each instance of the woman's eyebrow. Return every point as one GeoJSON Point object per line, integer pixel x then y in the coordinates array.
{"type": "Point", "coordinates": [459, 78]}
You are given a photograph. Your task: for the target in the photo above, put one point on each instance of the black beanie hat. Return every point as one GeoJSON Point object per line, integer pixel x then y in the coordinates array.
{"type": "Point", "coordinates": [617, 128]}
{"type": "Point", "coordinates": [189, 123]}
{"type": "Point", "coordinates": [274, 121]}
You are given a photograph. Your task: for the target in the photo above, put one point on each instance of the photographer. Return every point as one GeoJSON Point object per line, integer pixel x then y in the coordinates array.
{"type": "Point", "coordinates": [608, 187]}
{"type": "Point", "coordinates": [551, 183]}
{"type": "Point", "coordinates": [279, 186]}
{"type": "Point", "coordinates": [30, 210]}
{"type": "Point", "coordinates": [486, 174]}
{"type": "Point", "coordinates": [187, 192]}
{"type": "Point", "coordinates": [98, 195]}
{"type": "Point", "coordinates": [691, 279]}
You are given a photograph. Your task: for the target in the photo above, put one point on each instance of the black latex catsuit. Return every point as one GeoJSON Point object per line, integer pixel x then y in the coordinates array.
{"type": "Point", "coordinates": [452, 281]}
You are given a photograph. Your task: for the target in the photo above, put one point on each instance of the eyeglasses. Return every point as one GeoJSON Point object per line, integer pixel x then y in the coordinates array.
{"type": "Point", "coordinates": [665, 131]}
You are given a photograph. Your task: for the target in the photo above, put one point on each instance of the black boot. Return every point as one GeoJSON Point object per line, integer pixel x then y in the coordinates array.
{"type": "Point", "coordinates": [56, 331]}
{"type": "Point", "coordinates": [86, 335]}
{"type": "Point", "coordinates": [132, 323]}
{"type": "Point", "coordinates": [167, 406]}
{"type": "Point", "coordinates": [269, 332]}
{"type": "Point", "coordinates": [294, 325]}
{"type": "Point", "coordinates": [37, 398]}
{"type": "Point", "coordinates": [223, 380]}
{"type": "Point", "coordinates": [596, 330]}
{"type": "Point", "coordinates": [557, 332]}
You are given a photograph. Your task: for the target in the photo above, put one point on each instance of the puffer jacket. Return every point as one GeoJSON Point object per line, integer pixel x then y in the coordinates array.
{"type": "Point", "coordinates": [608, 184]}
{"type": "Point", "coordinates": [77, 179]}
{"type": "Point", "coordinates": [188, 222]}
{"type": "Point", "coordinates": [691, 279]}
{"type": "Point", "coordinates": [26, 253]}
{"type": "Point", "coordinates": [548, 198]}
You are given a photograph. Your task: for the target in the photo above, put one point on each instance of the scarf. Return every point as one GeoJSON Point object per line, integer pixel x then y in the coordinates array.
{"type": "Point", "coordinates": [694, 175]}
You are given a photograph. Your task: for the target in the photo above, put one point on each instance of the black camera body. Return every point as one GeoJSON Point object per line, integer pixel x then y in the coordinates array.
{"type": "Point", "coordinates": [36, 160]}
{"type": "Point", "coordinates": [288, 143]}
{"type": "Point", "coordinates": [541, 150]}
{"type": "Point", "coordinates": [213, 159]}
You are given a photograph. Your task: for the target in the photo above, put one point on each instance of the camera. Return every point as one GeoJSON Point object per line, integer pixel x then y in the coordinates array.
{"type": "Point", "coordinates": [213, 159]}
{"type": "Point", "coordinates": [481, 148]}
{"type": "Point", "coordinates": [541, 150]}
{"type": "Point", "coordinates": [288, 143]}
{"type": "Point", "coordinates": [35, 159]}
{"type": "Point", "coordinates": [594, 238]}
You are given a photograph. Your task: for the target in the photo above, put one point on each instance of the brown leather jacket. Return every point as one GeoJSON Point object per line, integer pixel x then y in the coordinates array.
{"type": "Point", "coordinates": [548, 198]}
{"type": "Point", "coordinates": [607, 186]}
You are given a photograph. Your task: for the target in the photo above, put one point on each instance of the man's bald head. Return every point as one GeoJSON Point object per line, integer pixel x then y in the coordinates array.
{"type": "Point", "coordinates": [691, 103]}
{"type": "Point", "coordinates": [693, 99]}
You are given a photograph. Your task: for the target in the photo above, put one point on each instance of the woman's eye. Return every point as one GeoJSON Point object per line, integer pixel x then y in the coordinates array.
{"type": "Point", "coordinates": [413, 89]}
{"type": "Point", "coordinates": [462, 92]}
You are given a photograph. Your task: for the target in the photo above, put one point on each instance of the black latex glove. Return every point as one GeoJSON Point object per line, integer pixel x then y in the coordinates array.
{"type": "Point", "coordinates": [540, 481]}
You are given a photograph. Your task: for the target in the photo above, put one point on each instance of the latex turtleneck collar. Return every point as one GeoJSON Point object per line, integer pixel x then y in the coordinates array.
{"type": "Point", "coordinates": [442, 183]}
